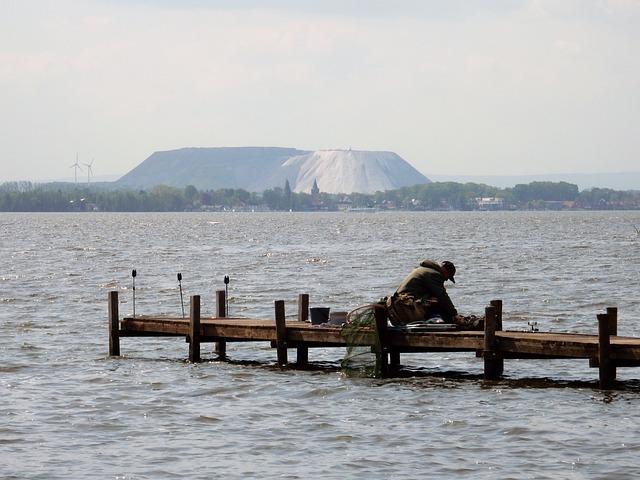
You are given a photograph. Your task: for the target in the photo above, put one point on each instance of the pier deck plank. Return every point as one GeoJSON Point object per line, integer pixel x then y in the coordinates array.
{"type": "Point", "coordinates": [526, 344]}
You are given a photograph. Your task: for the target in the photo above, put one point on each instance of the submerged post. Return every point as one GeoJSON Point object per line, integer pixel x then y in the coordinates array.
{"type": "Point", "coordinates": [114, 325]}
{"type": "Point", "coordinates": [220, 348]}
{"type": "Point", "coordinates": [281, 333]}
{"type": "Point", "coordinates": [492, 363]}
{"type": "Point", "coordinates": [302, 352]}
{"type": "Point", "coordinates": [606, 369]}
{"type": "Point", "coordinates": [381, 349]}
{"type": "Point", "coordinates": [499, 360]}
{"type": "Point", "coordinates": [194, 329]}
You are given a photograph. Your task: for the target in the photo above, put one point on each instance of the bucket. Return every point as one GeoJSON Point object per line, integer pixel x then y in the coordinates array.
{"type": "Point", "coordinates": [319, 315]}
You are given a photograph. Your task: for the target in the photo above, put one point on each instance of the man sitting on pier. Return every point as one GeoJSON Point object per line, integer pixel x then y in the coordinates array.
{"type": "Point", "coordinates": [422, 296]}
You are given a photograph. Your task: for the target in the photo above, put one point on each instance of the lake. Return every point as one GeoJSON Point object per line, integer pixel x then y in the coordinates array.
{"type": "Point", "coordinates": [70, 411]}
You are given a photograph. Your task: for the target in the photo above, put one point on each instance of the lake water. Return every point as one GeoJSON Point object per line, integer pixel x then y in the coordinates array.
{"type": "Point", "coordinates": [70, 411]}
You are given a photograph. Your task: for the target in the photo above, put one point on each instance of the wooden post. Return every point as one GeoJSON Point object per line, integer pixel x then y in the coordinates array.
{"type": "Point", "coordinates": [114, 325]}
{"type": "Point", "coordinates": [491, 361]}
{"type": "Point", "coordinates": [499, 360]}
{"type": "Point", "coordinates": [220, 348]}
{"type": "Point", "coordinates": [303, 307]}
{"type": "Point", "coordinates": [498, 306]}
{"type": "Point", "coordinates": [612, 312]}
{"type": "Point", "coordinates": [606, 372]}
{"type": "Point", "coordinates": [302, 352]}
{"type": "Point", "coordinates": [194, 329]}
{"type": "Point", "coordinates": [380, 314]}
{"type": "Point", "coordinates": [281, 333]}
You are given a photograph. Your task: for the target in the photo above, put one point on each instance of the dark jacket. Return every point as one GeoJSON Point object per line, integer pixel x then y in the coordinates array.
{"type": "Point", "coordinates": [425, 282]}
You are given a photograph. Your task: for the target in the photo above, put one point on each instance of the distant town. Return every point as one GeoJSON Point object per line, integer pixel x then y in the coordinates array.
{"type": "Point", "coordinates": [436, 196]}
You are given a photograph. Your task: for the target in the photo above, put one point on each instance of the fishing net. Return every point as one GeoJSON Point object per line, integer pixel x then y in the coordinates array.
{"type": "Point", "coordinates": [359, 332]}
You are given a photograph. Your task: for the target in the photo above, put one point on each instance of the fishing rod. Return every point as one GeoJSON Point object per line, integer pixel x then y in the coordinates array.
{"type": "Point", "coordinates": [180, 286]}
{"type": "Point", "coordinates": [133, 277]}
{"type": "Point", "coordinates": [226, 295]}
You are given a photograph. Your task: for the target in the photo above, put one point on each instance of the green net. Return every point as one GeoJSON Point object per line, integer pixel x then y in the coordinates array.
{"type": "Point", "coordinates": [362, 354]}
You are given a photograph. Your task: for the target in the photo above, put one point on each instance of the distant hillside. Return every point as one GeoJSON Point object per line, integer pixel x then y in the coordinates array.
{"type": "Point", "coordinates": [616, 181]}
{"type": "Point", "coordinates": [209, 168]}
{"type": "Point", "coordinates": [259, 168]}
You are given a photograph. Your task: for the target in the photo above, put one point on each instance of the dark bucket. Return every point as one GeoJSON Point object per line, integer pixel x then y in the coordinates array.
{"type": "Point", "coordinates": [319, 315]}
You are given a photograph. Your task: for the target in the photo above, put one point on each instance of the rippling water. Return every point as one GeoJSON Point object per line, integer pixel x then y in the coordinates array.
{"type": "Point", "coordinates": [70, 411]}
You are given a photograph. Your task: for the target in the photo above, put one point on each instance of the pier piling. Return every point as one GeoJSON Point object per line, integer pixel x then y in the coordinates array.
{"type": "Point", "coordinates": [302, 352]}
{"type": "Point", "coordinates": [607, 371]}
{"type": "Point", "coordinates": [114, 325]}
{"type": "Point", "coordinates": [492, 362]}
{"type": "Point", "coordinates": [381, 348]}
{"type": "Point", "coordinates": [194, 329]}
{"type": "Point", "coordinates": [220, 348]}
{"type": "Point", "coordinates": [498, 357]}
{"type": "Point", "coordinates": [281, 333]}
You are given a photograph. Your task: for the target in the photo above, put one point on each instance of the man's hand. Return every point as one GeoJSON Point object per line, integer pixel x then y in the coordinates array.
{"type": "Point", "coordinates": [459, 320]}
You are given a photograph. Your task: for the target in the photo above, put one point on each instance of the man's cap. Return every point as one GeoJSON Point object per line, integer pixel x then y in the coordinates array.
{"type": "Point", "coordinates": [450, 268]}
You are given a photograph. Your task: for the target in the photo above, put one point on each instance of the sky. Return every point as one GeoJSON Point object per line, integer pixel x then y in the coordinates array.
{"type": "Point", "coordinates": [490, 87]}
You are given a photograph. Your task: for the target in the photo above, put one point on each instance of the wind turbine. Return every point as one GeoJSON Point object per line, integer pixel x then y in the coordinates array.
{"type": "Point", "coordinates": [76, 166]}
{"type": "Point", "coordinates": [89, 170]}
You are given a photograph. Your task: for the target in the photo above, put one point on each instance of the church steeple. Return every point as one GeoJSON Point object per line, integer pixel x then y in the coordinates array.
{"type": "Point", "coordinates": [315, 190]}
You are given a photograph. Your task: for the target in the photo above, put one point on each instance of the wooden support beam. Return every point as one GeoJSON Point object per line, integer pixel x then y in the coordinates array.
{"type": "Point", "coordinates": [605, 366]}
{"type": "Point", "coordinates": [302, 352]}
{"type": "Point", "coordinates": [492, 363]}
{"type": "Point", "coordinates": [194, 329]}
{"type": "Point", "coordinates": [613, 321]}
{"type": "Point", "coordinates": [380, 348]}
{"type": "Point", "coordinates": [499, 359]}
{"type": "Point", "coordinates": [303, 307]}
{"type": "Point", "coordinates": [612, 312]}
{"type": "Point", "coordinates": [281, 333]}
{"type": "Point", "coordinates": [497, 304]}
{"type": "Point", "coordinates": [114, 325]}
{"type": "Point", "coordinates": [220, 348]}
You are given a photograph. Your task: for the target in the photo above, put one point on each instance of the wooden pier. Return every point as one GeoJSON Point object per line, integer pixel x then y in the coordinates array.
{"type": "Point", "coordinates": [605, 351]}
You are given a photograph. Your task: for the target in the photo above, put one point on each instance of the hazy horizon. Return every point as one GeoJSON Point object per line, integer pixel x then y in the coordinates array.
{"type": "Point", "coordinates": [502, 87]}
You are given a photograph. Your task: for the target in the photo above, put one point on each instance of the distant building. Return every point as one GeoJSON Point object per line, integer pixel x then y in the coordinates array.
{"type": "Point", "coordinates": [490, 203]}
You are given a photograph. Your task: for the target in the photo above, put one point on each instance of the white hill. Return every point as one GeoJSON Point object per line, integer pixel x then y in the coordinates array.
{"type": "Point", "coordinates": [349, 171]}
{"type": "Point", "coordinates": [259, 168]}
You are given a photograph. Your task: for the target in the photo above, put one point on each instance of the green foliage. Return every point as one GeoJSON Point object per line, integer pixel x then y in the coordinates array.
{"type": "Point", "coordinates": [59, 197]}
{"type": "Point", "coordinates": [546, 191]}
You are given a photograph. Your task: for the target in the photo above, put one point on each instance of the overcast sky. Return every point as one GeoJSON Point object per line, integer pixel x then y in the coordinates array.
{"type": "Point", "coordinates": [493, 87]}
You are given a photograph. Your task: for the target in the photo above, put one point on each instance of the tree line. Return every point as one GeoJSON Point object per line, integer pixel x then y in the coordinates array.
{"type": "Point", "coordinates": [29, 197]}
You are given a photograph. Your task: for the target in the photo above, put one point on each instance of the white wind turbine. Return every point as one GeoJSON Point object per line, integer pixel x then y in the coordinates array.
{"type": "Point", "coordinates": [76, 166]}
{"type": "Point", "coordinates": [89, 170]}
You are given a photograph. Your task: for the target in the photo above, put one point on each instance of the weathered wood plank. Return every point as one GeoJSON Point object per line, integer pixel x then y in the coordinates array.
{"type": "Point", "coordinates": [508, 343]}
